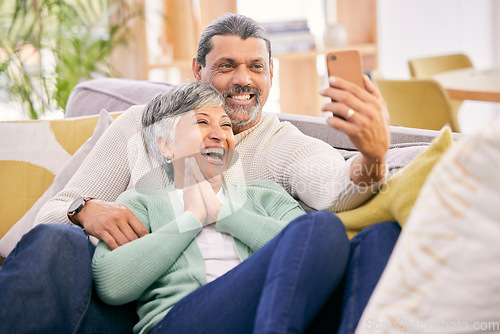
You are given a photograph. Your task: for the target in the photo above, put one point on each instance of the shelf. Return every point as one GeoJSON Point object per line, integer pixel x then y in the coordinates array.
{"type": "Point", "coordinates": [369, 49]}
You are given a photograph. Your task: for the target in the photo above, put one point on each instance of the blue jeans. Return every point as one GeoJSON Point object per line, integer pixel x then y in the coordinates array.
{"type": "Point", "coordinates": [370, 251]}
{"type": "Point", "coordinates": [279, 289]}
{"type": "Point", "coordinates": [37, 297]}
{"type": "Point", "coordinates": [46, 287]}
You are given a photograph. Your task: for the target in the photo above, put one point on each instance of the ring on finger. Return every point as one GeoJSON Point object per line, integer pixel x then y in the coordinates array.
{"type": "Point", "coordinates": [350, 113]}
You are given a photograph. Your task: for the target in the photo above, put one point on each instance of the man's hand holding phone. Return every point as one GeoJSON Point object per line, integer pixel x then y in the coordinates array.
{"type": "Point", "coordinates": [360, 112]}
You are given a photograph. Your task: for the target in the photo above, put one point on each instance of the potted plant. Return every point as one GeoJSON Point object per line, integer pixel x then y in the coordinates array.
{"type": "Point", "coordinates": [48, 46]}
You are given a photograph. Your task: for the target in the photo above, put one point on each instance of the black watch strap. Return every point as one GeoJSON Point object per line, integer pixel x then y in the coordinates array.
{"type": "Point", "coordinates": [76, 206]}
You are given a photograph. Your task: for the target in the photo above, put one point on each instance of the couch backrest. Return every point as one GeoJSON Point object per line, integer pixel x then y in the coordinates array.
{"type": "Point", "coordinates": [112, 94]}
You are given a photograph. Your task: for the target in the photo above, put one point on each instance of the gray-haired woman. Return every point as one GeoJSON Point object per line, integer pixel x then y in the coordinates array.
{"type": "Point", "coordinates": [220, 257]}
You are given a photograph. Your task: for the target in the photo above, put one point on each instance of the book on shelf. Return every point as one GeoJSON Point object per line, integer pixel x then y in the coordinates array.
{"type": "Point", "coordinates": [289, 36]}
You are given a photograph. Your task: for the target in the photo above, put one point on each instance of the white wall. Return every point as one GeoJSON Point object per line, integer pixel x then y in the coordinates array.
{"type": "Point", "coordinates": [419, 28]}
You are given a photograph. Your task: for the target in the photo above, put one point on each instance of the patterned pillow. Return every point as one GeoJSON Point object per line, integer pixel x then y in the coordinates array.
{"type": "Point", "coordinates": [444, 273]}
{"type": "Point", "coordinates": [32, 153]}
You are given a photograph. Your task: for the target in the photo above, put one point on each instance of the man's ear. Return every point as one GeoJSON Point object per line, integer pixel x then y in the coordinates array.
{"type": "Point", "coordinates": [196, 69]}
{"type": "Point", "coordinates": [271, 70]}
{"type": "Point", "coordinates": [165, 147]}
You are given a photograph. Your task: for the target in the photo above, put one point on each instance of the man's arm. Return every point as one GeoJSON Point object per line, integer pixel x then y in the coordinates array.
{"type": "Point", "coordinates": [317, 174]}
{"type": "Point", "coordinates": [105, 174]}
{"type": "Point", "coordinates": [365, 120]}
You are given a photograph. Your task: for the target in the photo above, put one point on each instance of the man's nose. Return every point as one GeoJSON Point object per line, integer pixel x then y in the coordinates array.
{"type": "Point", "coordinates": [242, 76]}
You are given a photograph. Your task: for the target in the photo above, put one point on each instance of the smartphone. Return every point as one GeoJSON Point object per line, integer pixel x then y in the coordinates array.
{"type": "Point", "coordinates": [346, 65]}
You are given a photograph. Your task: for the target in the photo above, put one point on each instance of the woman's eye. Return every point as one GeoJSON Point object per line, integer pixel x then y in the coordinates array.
{"type": "Point", "coordinates": [202, 122]}
{"type": "Point", "coordinates": [227, 124]}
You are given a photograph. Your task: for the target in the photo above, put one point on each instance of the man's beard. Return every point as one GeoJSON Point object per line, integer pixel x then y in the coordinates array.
{"type": "Point", "coordinates": [233, 109]}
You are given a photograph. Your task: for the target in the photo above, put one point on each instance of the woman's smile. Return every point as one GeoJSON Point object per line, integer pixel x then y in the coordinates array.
{"type": "Point", "coordinates": [214, 155]}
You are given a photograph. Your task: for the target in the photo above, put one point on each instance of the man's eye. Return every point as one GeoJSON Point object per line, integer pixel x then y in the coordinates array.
{"type": "Point", "coordinates": [225, 66]}
{"type": "Point", "coordinates": [258, 67]}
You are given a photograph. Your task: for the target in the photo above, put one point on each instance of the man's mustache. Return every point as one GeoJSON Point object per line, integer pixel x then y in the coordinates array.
{"type": "Point", "coordinates": [241, 90]}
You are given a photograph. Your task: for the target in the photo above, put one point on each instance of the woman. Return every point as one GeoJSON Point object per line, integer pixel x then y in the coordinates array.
{"type": "Point", "coordinates": [218, 257]}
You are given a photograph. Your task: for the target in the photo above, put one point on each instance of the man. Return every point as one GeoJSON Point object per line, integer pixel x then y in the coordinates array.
{"type": "Point", "coordinates": [234, 54]}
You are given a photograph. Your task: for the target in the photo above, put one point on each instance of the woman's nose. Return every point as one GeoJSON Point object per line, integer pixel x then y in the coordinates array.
{"type": "Point", "coordinates": [217, 134]}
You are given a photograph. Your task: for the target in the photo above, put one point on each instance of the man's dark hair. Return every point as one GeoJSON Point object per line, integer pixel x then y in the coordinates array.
{"type": "Point", "coordinates": [230, 25]}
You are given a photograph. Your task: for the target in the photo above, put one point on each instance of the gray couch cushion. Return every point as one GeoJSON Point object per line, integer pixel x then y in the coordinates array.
{"type": "Point", "coordinates": [90, 97]}
{"type": "Point", "coordinates": [317, 127]}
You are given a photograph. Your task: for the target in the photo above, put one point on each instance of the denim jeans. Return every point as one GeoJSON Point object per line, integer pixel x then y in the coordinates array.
{"type": "Point", "coordinates": [46, 285]}
{"type": "Point", "coordinates": [369, 254]}
{"type": "Point", "coordinates": [279, 289]}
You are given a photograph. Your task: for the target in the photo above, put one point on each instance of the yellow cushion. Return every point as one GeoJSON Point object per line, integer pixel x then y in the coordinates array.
{"type": "Point", "coordinates": [397, 197]}
{"type": "Point", "coordinates": [31, 153]}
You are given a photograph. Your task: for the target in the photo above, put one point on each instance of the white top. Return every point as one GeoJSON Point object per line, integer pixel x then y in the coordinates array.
{"type": "Point", "coordinates": [217, 249]}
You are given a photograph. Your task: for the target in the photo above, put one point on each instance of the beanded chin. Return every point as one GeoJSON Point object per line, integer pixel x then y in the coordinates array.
{"type": "Point", "coordinates": [242, 115]}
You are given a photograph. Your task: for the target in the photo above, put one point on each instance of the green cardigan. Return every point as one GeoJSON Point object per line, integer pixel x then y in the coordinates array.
{"type": "Point", "coordinates": [166, 265]}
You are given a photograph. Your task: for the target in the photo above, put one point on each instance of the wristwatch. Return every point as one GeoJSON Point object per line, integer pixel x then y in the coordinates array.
{"type": "Point", "coordinates": [77, 206]}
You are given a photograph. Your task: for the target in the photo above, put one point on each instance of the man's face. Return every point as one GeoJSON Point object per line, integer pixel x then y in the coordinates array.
{"type": "Point", "coordinates": [241, 71]}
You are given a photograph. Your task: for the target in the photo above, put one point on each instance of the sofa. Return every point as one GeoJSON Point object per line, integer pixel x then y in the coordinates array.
{"type": "Point", "coordinates": [37, 158]}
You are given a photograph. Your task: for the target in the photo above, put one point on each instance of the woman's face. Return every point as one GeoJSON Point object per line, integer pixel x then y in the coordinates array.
{"type": "Point", "coordinates": [205, 135]}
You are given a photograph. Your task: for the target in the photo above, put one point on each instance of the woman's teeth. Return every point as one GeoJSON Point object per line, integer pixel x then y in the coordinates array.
{"type": "Point", "coordinates": [214, 154]}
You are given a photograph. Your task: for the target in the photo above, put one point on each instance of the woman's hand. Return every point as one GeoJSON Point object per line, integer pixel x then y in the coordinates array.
{"type": "Point", "coordinates": [193, 199]}
{"type": "Point", "coordinates": [212, 204]}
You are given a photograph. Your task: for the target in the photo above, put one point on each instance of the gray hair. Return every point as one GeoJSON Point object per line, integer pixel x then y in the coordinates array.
{"type": "Point", "coordinates": [232, 25]}
{"type": "Point", "coordinates": [163, 112]}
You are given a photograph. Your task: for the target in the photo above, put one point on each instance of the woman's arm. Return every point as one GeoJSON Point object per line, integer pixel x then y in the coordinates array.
{"type": "Point", "coordinates": [266, 211]}
{"type": "Point", "coordinates": [122, 275]}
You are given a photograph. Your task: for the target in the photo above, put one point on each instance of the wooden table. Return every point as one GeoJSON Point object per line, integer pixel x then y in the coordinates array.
{"type": "Point", "coordinates": [471, 84]}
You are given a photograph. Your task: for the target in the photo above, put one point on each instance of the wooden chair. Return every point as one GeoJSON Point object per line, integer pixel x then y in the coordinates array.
{"type": "Point", "coordinates": [425, 68]}
{"type": "Point", "coordinates": [417, 103]}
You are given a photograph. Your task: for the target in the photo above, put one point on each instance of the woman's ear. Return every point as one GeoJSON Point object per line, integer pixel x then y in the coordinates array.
{"type": "Point", "coordinates": [165, 147]}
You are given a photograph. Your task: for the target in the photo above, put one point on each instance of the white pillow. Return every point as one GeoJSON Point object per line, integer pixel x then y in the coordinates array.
{"type": "Point", "coordinates": [444, 273]}
{"type": "Point", "coordinates": [25, 224]}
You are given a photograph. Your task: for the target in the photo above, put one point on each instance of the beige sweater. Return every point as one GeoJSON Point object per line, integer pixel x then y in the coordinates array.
{"type": "Point", "coordinates": [307, 168]}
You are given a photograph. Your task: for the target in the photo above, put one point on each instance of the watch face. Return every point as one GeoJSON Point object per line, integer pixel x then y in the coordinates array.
{"type": "Point", "coordinates": [77, 203]}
